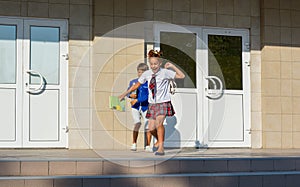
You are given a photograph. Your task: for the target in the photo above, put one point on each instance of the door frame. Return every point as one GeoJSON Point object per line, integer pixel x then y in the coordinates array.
{"type": "Point", "coordinates": [22, 131]}
{"type": "Point", "coordinates": [158, 27]}
{"type": "Point", "coordinates": [62, 87]}
{"type": "Point", "coordinates": [244, 33]}
{"type": "Point", "coordinates": [201, 72]}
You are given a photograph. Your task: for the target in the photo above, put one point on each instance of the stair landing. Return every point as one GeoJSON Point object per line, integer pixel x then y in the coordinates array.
{"type": "Point", "coordinates": [179, 167]}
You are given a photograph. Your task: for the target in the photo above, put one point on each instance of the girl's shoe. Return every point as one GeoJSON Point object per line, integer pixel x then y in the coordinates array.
{"type": "Point", "coordinates": [154, 149]}
{"type": "Point", "coordinates": [159, 153]}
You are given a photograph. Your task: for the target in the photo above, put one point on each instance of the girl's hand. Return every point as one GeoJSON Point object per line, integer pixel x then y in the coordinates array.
{"type": "Point", "coordinates": [179, 74]}
{"type": "Point", "coordinates": [169, 65]}
{"type": "Point", "coordinates": [121, 97]}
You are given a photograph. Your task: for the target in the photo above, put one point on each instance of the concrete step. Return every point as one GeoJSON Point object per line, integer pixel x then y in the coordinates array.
{"type": "Point", "coordinates": [150, 166]}
{"type": "Point", "coordinates": [232, 179]}
{"type": "Point", "coordinates": [209, 168]}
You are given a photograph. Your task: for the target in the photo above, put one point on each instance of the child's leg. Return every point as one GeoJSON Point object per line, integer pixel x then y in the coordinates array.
{"type": "Point", "coordinates": [160, 132]}
{"type": "Point", "coordinates": [137, 124]}
{"type": "Point", "coordinates": [152, 130]}
{"type": "Point", "coordinates": [148, 138]}
{"type": "Point", "coordinates": [136, 132]}
{"type": "Point", "coordinates": [148, 133]}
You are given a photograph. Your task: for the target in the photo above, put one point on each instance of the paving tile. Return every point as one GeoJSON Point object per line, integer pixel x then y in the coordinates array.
{"type": "Point", "coordinates": [9, 168]}
{"type": "Point", "coordinates": [11, 183]}
{"type": "Point", "coordinates": [96, 182]}
{"type": "Point", "coordinates": [274, 181]}
{"type": "Point", "coordinates": [262, 165]}
{"type": "Point", "coordinates": [250, 181]}
{"type": "Point", "coordinates": [297, 164]}
{"type": "Point", "coordinates": [239, 165]}
{"type": "Point", "coordinates": [150, 182]}
{"type": "Point", "coordinates": [285, 165]}
{"type": "Point", "coordinates": [201, 181]}
{"type": "Point", "coordinates": [116, 167]}
{"type": "Point", "coordinates": [191, 166]}
{"type": "Point", "coordinates": [67, 183]}
{"type": "Point", "coordinates": [89, 168]}
{"type": "Point", "coordinates": [215, 166]}
{"type": "Point", "coordinates": [175, 181]}
{"type": "Point", "coordinates": [169, 166]}
{"type": "Point", "coordinates": [141, 167]}
{"type": "Point", "coordinates": [124, 182]}
{"type": "Point", "coordinates": [226, 182]}
{"type": "Point", "coordinates": [292, 181]}
{"type": "Point", "coordinates": [34, 168]}
{"type": "Point", "coordinates": [62, 168]}
{"type": "Point", "coordinates": [39, 183]}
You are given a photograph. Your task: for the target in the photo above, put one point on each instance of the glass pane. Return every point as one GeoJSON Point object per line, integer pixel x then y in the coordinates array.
{"type": "Point", "coordinates": [225, 60]}
{"type": "Point", "coordinates": [180, 48]}
{"type": "Point", "coordinates": [8, 54]}
{"type": "Point", "coordinates": [44, 54]}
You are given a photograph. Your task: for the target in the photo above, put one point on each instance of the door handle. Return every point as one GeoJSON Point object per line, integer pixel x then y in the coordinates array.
{"type": "Point", "coordinates": [214, 93]}
{"type": "Point", "coordinates": [41, 83]}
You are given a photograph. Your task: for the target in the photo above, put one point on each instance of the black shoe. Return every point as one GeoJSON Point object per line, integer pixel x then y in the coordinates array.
{"type": "Point", "coordinates": [154, 149]}
{"type": "Point", "coordinates": [159, 153]}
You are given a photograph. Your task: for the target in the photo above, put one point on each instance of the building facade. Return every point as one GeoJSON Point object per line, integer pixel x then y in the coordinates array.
{"type": "Point", "coordinates": [61, 60]}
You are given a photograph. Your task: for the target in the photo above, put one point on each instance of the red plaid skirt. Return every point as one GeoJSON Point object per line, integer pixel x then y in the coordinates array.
{"type": "Point", "coordinates": [157, 109]}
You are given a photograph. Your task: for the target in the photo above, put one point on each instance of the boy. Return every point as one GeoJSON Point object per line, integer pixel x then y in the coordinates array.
{"type": "Point", "coordinates": [139, 107]}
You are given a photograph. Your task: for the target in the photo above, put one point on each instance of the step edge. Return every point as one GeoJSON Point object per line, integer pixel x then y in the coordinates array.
{"type": "Point", "coordinates": [224, 174]}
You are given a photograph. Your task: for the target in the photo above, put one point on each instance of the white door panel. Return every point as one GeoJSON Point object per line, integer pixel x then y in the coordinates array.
{"type": "Point", "coordinates": [10, 82]}
{"type": "Point", "coordinates": [46, 105]}
{"type": "Point", "coordinates": [44, 116]}
{"type": "Point", "coordinates": [227, 118]}
{"type": "Point", "coordinates": [33, 82]}
{"type": "Point", "coordinates": [180, 129]}
{"type": "Point", "coordinates": [226, 115]}
{"type": "Point", "coordinates": [8, 115]}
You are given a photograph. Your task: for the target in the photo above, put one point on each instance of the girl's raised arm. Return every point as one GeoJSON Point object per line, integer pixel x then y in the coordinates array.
{"type": "Point", "coordinates": [179, 74]}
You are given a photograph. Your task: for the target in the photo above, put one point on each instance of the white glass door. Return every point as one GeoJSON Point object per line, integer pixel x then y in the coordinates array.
{"type": "Point", "coordinates": [33, 83]}
{"type": "Point", "coordinates": [180, 46]}
{"type": "Point", "coordinates": [10, 83]}
{"type": "Point", "coordinates": [45, 83]}
{"type": "Point", "coordinates": [212, 103]}
{"type": "Point", "coordinates": [227, 88]}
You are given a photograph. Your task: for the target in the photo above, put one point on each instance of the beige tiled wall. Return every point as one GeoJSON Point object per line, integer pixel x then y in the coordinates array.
{"type": "Point", "coordinates": [103, 59]}
{"type": "Point", "coordinates": [113, 54]}
{"type": "Point", "coordinates": [280, 73]}
{"type": "Point", "coordinates": [116, 51]}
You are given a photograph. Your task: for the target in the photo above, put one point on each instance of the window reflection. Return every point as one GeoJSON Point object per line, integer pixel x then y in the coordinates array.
{"type": "Point", "coordinates": [44, 53]}
{"type": "Point", "coordinates": [8, 54]}
{"type": "Point", "coordinates": [180, 49]}
{"type": "Point", "coordinates": [225, 60]}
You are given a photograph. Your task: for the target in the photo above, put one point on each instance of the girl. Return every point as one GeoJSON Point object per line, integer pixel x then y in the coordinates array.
{"type": "Point", "coordinates": [159, 98]}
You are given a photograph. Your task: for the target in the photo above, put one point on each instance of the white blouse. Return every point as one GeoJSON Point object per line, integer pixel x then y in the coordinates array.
{"type": "Point", "coordinates": [162, 84]}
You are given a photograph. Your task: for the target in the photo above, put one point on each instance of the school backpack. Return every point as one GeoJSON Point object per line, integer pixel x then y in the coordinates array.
{"type": "Point", "coordinates": [172, 86]}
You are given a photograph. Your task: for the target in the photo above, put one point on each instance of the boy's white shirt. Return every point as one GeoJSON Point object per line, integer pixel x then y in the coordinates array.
{"type": "Point", "coordinates": [162, 84]}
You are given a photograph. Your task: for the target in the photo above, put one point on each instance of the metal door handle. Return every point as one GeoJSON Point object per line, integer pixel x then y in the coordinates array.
{"type": "Point", "coordinates": [41, 84]}
{"type": "Point", "coordinates": [215, 92]}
